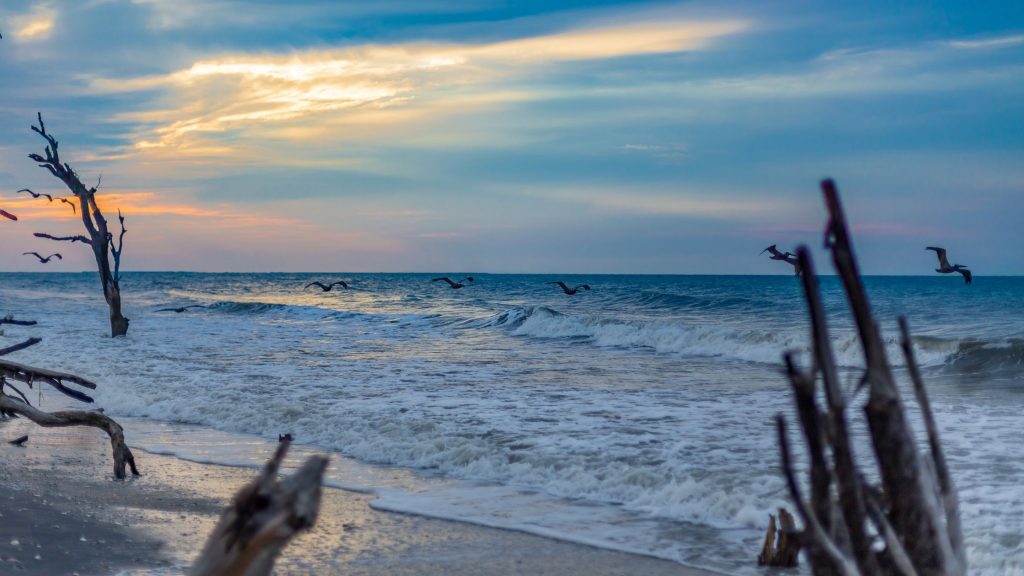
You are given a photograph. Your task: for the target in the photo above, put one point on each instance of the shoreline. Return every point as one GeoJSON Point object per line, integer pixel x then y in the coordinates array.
{"type": "Point", "coordinates": [65, 514]}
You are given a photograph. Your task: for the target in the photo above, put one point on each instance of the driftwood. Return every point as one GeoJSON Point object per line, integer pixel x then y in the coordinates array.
{"type": "Point", "coordinates": [781, 545]}
{"type": "Point", "coordinates": [263, 517]}
{"type": "Point", "coordinates": [9, 319]}
{"type": "Point", "coordinates": [900, 527]}
{"type": "Point", "coordinates": [106, 252]}
{"type": "Point", "coordinates": [20, 406]}
{"type": "Point", "coordinates": [123, 457]}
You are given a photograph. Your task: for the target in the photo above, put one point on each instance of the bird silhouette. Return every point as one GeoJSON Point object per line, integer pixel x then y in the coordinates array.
{"type": "Point", "coordinates": [945, 268]}
{"type": "Point", "coordinates": [787, 257]}
{"type": "Point", "coordinates": [567, 290]}
{"type": "Point", "coordinates": [182, 309]}
{"type": "Point", "coordinates": [35, 194]}
{"type": "Point", "coordinates": [69, 203]}
{"type": "Point", "coordinates": [454, 285]}
{"type": "Point", "coordinates": [8, 215]}
{"type": "Point", "coordinates": [41, 259]}
{"type": "Point", "coordinates": [327, 287]}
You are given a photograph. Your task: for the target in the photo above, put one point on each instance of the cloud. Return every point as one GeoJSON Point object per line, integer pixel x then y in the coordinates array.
{"type": "Point", "coordinates": [202, 110]}
{"type": "Point", "coordinates": [997, 42]}
{"type": "Point", "coordinates": [36, 25]}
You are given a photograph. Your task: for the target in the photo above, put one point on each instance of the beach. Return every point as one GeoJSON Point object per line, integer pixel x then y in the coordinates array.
{"type": "Point", "coordinates": [62, 513]}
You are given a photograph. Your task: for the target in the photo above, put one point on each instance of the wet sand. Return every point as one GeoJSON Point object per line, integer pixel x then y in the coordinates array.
{"type": "Point", "coordinates": [61, 512]}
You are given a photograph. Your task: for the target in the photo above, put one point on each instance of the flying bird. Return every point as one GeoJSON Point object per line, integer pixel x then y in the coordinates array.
{"type": "Point", "coordinates": [8, 215]}
{"type": "Point", "coordinates": [182, 309]}
{"type": "Point", "coordinates": [41, 259]}
{"type": "Point", "coordinates": [945, 268]}
{"type": "Point", "coordinates": [69, 203]}
{"type": "Point", "coordinates": [454, 285]}
{"type": "Point", "coordinates": [35, 194]}
{"type": "Point", "coordinates": [327, 287]}
{"type": "Point", "coordinates": [787, 257]}
{"type": "Point", "coordinates": [567, 290]}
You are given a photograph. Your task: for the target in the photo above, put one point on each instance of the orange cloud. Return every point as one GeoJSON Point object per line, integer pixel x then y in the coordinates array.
{"type": "Point", "coordinates": [216, 103]}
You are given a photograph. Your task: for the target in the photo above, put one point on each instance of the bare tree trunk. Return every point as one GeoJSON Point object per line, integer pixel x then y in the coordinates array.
{"type": "Point", "coordinates": [100, 238]}
{"type": "Point", "coordinates": [263, 517]}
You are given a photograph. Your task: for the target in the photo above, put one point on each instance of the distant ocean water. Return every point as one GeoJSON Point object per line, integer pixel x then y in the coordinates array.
{"type": "Point", "coordinates": [636, 416]}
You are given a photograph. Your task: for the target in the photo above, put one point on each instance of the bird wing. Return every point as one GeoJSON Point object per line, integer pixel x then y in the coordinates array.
{"type": "Point", "coordinates": [561, 285]}
{"type": "Point", "coordinates": [36, 254]}
{"type": "Point", "coordinates": [469, 279]}
{"type": "Point", "coordinates": [768, 249]}
{"type": "Point", "coordinates": [167, 310]}
{"type": "Point", "coordinates": [59, 257]}
{"type": "Point", "coordinates": [444, 279]}
{"type": "Point", "coordinates": [34, 195]}
{"type": "Point", "coordinates": [584, 286]}
{"type": "Point", "coordinates": [340, 283]}
{"type": "Point", "coordinates": [941, 253]}
{"type": "Point", "coordinates": [967, 275]}
{"type": "Point", "coordinates": [315, 284]}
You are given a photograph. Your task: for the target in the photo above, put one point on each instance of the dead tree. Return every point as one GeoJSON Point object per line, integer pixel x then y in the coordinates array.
{"type": "Point", "coordinates": [910, 523]}
{"type": "Point", "coordinates": [19, 405]}
{"type": "Point", "coordinates": [106, 252]}
{"type": "Point", "coordinates": [263, 517]}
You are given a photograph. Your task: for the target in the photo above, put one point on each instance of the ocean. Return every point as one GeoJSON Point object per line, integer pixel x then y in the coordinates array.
{"type": "Point", "coordinates": [636, 416]}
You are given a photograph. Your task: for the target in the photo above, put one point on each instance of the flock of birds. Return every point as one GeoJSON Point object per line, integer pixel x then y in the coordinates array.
{"type": "Point", "coordinates": [451, 284]}
{"type": "Point", "coordinates": [944, 265]}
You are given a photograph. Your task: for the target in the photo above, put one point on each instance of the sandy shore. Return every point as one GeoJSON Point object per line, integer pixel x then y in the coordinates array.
{"type": "Point", "coordinates": [61, 512]}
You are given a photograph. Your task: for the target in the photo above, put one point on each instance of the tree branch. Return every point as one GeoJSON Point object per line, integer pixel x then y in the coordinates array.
{"type": "Point", "coordinates": [262, 518]}
{"type": "Point", "coordinates": [21, 346]}
{"type": "Point", "coordinates": [914, 515]}
{"type": "Point", "coordinates": [30, 375]}
{"type": "Point", "coordinates": [116, 253]}
{"type": "Point", "coordinates": [71, 239]}
{"type": "Point", "coordinates": [816, 535]}
{"type": "Point", "coordinates": [950, 500]}
{"type": "Point", "coordinates": [9, 319]}
{"type": "Point", "coordinates": [123, 457]}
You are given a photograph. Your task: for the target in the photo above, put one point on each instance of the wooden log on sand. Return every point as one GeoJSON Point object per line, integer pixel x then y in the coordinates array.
{"type": "Point", "coordinates": [263, 517]}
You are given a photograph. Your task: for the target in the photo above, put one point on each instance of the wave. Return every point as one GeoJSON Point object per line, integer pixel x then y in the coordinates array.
{"type": "Point", "coordinates": [737, 342]}
{"type": "Point", "coordinates": [669, 301]}
{"type": "Point", "coordinates": [979, 357]}
{"type": "Point", "coordinates": [232, 307]}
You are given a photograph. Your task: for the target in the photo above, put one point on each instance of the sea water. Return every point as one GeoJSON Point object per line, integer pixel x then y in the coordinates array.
{"type": "Point", "coordinates": [636, 416]}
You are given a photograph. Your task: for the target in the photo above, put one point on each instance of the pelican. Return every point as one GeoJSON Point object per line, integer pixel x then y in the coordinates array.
{"type": "Point", "coordinates": [35, 194]}
{"type": "Point", "coordinates": [454, 285]}
{"type": "Point", "coordinates": [945, 268]}
{"type": "Point", "coordinates": [41, 259]}
{"type": "Point", "coordinates": [182, 309]}
{"type": "Point", "coordinates": [327, 287]}
{"type": "Point", "coordinates": [567, 290]}
{"type": "Point", "coordinates": [787, 257]}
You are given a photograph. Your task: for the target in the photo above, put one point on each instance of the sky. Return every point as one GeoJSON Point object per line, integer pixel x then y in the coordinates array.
{"type": "Point", "coordinates": [517, 136]}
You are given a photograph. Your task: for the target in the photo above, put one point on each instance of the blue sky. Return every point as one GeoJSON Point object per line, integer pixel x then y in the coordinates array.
{"type": "Point", "coordinates": [591, 137]}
